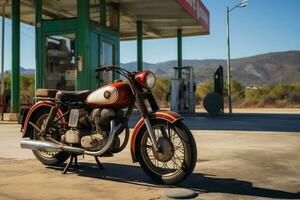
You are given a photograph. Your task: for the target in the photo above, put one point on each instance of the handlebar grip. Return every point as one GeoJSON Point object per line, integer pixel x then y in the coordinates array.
{"type": "Point", "coordinates": [99, 70]}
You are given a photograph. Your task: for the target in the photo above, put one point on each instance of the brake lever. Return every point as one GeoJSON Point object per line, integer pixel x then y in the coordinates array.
{"type": "Point", "coordinates": [108, 69]}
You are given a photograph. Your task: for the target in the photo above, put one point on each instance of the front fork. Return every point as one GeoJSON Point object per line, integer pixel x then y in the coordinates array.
{"type": "Point", "coordinates": [140, 105]}
{"type": "Point", "coordinates": [151, 133]}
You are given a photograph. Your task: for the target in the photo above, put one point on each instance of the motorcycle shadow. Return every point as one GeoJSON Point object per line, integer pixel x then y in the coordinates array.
{"type": "Point", "coordinates": [201, 183]}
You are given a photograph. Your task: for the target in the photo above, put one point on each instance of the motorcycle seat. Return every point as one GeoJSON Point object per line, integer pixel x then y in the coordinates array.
{"type": "Point", "coordinates": [72, 95]}
{"type": "Point", "coordinates": [41, 92]}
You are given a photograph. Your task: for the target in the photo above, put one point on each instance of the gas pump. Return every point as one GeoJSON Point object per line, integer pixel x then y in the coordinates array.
{"type": "Point", "coordinates": [183, 98]}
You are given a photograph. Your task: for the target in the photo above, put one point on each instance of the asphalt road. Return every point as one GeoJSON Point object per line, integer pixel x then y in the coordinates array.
{"type": "Point", "coordinates": [239, 157]}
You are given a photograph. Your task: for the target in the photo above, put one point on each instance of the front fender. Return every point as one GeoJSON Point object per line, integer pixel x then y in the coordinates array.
{"type": "Point", "coordinates": [33, 111]}
{"type": "Point", "coordinates": [169, 116]}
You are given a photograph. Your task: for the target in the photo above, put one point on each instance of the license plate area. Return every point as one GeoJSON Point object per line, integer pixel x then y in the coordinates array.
{"type": "Point", "coordinates": [73, 119]}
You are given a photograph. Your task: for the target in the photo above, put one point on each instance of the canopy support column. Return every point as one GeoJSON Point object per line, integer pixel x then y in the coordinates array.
{"type": "Point", "coordinates": [38, 45]}
{"type": "Point", "coordinates": [139, 33]}
{"type": "Point", "coordinates": [83, 29]}
{"type": "Point", "coordinates": [15, 73]}
{"type": "Point", "coordinates": [179, 52]}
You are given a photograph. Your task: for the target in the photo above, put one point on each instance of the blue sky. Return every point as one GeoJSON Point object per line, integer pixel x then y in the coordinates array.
{"type": "Point", "coordinates": [264, 26]}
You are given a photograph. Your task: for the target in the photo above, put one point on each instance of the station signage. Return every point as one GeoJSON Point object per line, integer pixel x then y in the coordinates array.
{"type": "Point", "coordinates": [197, 10]}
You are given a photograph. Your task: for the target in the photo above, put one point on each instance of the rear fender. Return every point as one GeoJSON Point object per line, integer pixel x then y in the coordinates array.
{"type": "Point", "coordinates": [35, 109]}
{"type": "Point", "coordinates": [169, 116]}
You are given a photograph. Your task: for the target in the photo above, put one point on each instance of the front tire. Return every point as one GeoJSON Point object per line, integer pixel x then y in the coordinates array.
{"type": "Point", "coordinates": [47, 158]}
{"type": "Point", "coordinates": [178, 155]}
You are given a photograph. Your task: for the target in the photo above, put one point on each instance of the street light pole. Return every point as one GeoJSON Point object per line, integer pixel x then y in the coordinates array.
{"type": "Point", "coordinates": [228, 63]}
{"type": "Point", "coordinates": [242, 4]}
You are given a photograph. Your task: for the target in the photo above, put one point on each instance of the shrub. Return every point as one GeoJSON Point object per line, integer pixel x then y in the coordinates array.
{"type": "Point", "coordinates": [161, 91]}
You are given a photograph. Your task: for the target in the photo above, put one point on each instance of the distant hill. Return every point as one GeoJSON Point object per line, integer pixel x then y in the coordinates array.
{"type": "Point", "coordinates": [27, 71]}
{"type": "Point", "coordinates": [271, 68]}
{"type": "Point", "coordinates": [24, 71]}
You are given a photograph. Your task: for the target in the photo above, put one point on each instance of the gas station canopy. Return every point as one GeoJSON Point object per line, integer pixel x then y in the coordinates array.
{"type": "Point", "coordinates": [161, 18]}
{"type": "Point", "coordinates": [74, 37]}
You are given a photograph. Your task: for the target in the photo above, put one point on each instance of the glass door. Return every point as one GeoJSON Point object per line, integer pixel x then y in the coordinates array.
{"type": "Point", "coordinates": [107, 59]}
{"type": "Point", "coordinates": [60, 62]}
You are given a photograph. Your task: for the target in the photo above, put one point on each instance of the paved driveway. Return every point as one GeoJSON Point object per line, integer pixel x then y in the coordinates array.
{"type": "Point", "coordinates": [232, 164]}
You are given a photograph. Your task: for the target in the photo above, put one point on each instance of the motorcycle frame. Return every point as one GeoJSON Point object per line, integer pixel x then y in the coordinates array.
{"type": "Point", "coordinates": [139, 95]}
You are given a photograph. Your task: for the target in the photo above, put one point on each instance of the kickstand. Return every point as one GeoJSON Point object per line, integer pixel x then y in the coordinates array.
{"type": "Point", "coordinates": [75, 161]}
{"type": "Point", "coordinates": [99, 163]}
{"type": "Point", "coordinates": [70, 163]}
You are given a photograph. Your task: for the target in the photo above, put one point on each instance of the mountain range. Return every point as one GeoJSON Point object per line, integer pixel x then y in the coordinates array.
{"type": "Point", "coordinates": [271, 68]}
{"type": "Point", "coordinates": [24, 71]}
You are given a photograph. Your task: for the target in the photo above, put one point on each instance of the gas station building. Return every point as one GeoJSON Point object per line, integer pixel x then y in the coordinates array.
{"type": "Point", "coordinates": [74, 37]}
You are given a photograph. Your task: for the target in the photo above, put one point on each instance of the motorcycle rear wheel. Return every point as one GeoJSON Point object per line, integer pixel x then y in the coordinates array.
{"type": "Point", "coordinates": [178, 156]}
{"type": "Point", "coordinates": [47, 158]}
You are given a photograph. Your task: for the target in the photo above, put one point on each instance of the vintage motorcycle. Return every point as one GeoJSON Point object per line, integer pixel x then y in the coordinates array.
{"type": "Point", "coordinates": [64, 124]}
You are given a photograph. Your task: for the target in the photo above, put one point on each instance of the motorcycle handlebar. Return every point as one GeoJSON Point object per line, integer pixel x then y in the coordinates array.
{"type": "Point", "coordinates": [102, 69]}
{"type": "Point", "coordinates": [116, 69]}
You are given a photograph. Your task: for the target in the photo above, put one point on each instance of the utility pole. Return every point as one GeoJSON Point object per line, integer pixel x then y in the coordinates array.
{"type": "Point", "coordinates": [242, 4]}
{"type": "Point", "coordinates": [2, 62]}
{"type": "Point", "coordinates": [228, 63]}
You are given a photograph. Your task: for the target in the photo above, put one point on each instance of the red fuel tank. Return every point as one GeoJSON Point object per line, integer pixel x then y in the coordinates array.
{"type": "Point", "coordinates": [115, 95]}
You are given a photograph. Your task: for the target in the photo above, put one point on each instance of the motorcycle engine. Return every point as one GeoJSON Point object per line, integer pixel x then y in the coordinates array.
{"type": "Point", "coordinates": [93, 129]}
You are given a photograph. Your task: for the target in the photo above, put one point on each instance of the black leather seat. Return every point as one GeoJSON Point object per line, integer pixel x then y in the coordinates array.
{"type": "Point", "coordinates": [72, 95]}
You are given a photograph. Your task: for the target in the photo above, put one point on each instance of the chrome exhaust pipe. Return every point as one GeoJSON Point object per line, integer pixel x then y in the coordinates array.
{"type": "Point", "coordinates": [52, 147]}
{"type": "Point", "coordinates": [113, 131]}
{"type": "Point", "coordinates": [40, 145]}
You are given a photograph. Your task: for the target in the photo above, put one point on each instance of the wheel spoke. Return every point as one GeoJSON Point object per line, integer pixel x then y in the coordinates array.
{"type": "Point", "coordinates": [179, 145]}
{"type": "Point", "coordinates": [38, 129]}
{"type": "Point", "coordinates": [148, 151]}
{"type": "Point", "coordinates": [35, 127]}
{"type": "Point", "coordinates": [176, 162]}
{"type": "Point", "coordinates": [164, 166]}
{"type": "Point", "coordinates": [177, 158]}
{"type": "Point", "coordinates": [181, 158]}
{"type": "Point", "coordinates": [179, 149]}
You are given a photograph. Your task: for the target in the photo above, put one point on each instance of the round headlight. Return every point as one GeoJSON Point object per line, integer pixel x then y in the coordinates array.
{"type": "Point", "coordinates": [150, 80]}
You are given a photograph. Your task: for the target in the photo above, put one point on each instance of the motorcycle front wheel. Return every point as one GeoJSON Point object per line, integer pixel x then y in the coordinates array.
{"type": "Point", "coordinates": [177, 156]}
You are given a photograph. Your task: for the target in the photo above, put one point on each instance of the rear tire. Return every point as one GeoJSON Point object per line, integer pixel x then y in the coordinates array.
{"type": "Point", "coordinates": [162, 173]}
{"type": "Point", "coordinates": [46, 158]}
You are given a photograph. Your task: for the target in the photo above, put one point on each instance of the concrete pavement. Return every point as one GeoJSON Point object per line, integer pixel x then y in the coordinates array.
{"type": "Point", "coordinates": [232, 164]}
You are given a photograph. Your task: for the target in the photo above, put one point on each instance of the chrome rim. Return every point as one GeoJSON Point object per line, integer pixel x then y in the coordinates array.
{"type": "Point", "coordinates": [171, 159]}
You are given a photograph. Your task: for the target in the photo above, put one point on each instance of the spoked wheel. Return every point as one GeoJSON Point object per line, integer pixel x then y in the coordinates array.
{"type": "Point", "coordinates": [177, 154]}
{"type": "Point", "coordinates": [47, 158]}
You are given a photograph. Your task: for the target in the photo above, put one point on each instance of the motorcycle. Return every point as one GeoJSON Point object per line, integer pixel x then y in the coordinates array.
{"type": "Point", "coordinates": [65, 124]}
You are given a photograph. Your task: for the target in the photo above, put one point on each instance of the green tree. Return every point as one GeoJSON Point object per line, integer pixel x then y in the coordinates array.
{"type": "Point", "coordinates": [295, 94]}
{"type": "Point", "coordinates": [204, 89]}
{"type": "Point", "coordinates": [27, 89]}
{"type": "Point", "coordinates": [161, 91]}
{"type": "Point", "coordinates": [237, 90]}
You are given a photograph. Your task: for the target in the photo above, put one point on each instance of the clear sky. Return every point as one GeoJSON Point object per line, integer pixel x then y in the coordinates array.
{"type": "Point", "coordinates": [264, 26]}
